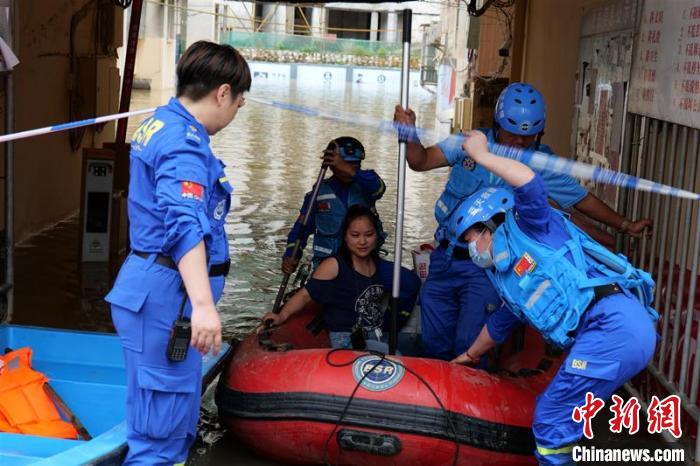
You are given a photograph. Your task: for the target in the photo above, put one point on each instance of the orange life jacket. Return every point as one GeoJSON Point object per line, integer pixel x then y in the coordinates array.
{"type": "Point", "coordinates": [24, 405]}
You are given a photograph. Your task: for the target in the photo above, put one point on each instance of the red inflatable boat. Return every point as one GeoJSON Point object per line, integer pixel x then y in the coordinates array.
{"type": "Point", "coordinates": [290, 397]}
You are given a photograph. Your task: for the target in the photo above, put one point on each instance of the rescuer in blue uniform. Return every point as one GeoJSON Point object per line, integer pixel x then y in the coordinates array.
{"type": "Point", "coordinates": [350, 185]}
{"type": "Point", "coordinates": [178, 200]}
{"type": "Point", "coordinates": [457, 296]}
{"type": "Point", "coordinates": [552, 275]}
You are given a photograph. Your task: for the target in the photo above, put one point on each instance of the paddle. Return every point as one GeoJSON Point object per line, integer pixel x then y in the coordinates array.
{"type": "Point", "coordinates": [63, 407]}
{"type": "Point", "coordinates": [297, 243]}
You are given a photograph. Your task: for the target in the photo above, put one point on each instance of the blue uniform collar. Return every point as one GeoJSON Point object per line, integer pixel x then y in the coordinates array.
{"type": "Point", "coordinates": [175, 106]}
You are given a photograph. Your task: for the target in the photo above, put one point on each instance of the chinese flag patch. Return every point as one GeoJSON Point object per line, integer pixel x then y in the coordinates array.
{"type": "Point", "coordinates": [324, 206]}
{"type": "Point", "coordinates": [525, 264]}
{"type": "Point", "coordinates": [192, 190]}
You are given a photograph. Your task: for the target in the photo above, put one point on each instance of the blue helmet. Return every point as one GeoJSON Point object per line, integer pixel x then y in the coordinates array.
{"type": "Point", "coordinates": [351, 150]}
{"type": "Point", "coordinates": [520, 110]}
{"type": "Point", "coordinates": [480, 207]}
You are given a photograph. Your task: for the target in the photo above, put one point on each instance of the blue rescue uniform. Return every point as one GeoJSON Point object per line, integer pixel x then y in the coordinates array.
{"type": "Point", "coordinates": [327, 217]}
{"type": "Point", "coordinates": [457, 297]}
{"type": "Point", "coordinates": [178, 196]}
{"type": "Point", "coordinates": [610, 339]}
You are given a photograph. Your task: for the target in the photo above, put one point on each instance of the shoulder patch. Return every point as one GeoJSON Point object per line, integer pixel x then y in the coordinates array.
{"type": "Point", "coordinates": [192, 190]}
{"type": "Point", "coordinates": [192, 137]}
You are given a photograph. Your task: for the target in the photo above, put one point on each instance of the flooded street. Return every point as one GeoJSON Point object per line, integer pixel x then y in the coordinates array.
{"type": "Point", "coordinates": [272, 158]}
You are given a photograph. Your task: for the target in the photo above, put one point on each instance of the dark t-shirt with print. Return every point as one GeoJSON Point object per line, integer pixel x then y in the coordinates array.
{"type": "Point", "coordinates": [349, 299]}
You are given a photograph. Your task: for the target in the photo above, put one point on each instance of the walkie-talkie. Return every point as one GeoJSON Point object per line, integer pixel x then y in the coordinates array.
{"type": "Point", "coordinates": [180, 336]}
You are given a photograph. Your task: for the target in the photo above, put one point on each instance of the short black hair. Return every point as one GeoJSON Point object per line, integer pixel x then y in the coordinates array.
{"type": "Point", "coordinates": [205, 66]}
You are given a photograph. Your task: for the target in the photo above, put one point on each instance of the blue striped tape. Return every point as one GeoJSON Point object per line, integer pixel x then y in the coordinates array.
{"type": "Point", "coordinates": [73, 124]}
{"type": "Point", "coordinates": [536, 159]}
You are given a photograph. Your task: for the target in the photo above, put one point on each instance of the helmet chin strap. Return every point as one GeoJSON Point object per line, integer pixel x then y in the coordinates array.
{"type": "Point", "coordinates": [538, 139]}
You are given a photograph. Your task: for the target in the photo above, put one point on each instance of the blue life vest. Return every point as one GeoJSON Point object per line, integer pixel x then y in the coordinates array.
{"type": "Point", "coordinates": [464, 180]}
{"type": "Point", "coordinates": [544, 288]}
{"type": "Point", "coordinates": [330, 213]}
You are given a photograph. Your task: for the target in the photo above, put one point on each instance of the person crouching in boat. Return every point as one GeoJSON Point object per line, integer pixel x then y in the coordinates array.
{"type": "Point", "coordinates": [552, 275]}
{"type": "Point", "coordinates": [350, 185]}
{"type": "Point", "coordinates": [347, 285]}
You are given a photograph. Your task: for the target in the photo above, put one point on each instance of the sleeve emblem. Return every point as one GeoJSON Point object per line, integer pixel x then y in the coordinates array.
{"type": "Point", "coordinates": [192, 190]}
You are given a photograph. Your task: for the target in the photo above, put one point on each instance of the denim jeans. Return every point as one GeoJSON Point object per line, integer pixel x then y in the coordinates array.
{"type": "Point", "coordinates": [342, 340]}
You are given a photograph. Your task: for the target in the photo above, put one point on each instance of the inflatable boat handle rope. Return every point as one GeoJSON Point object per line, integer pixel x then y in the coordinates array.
{"type": "Point", "coordinates": [382, 357]}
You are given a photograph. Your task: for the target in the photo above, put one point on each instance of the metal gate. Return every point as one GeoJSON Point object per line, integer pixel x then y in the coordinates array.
{"type": "Point", "coordinates": [668, 153]}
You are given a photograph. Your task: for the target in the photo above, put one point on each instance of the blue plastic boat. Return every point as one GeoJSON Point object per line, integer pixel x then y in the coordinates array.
{"type": "Point", "coordinates": [87, 371]}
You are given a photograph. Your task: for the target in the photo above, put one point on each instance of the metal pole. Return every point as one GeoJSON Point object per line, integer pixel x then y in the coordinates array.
{"type": "Point", "coordinates": [693, 281]}
{"type": "Point", "coordinates": [622, 203]}
{"type": "Point", "coordinates": [681, 268]}
{"type": "Point", "coordinates": [9, 179]}
{"type": "Point", "coordinates": [672, 264]}
{"type": "Point", "coordinates": [639, 170]}
{"type": "Point", "coordinates": [129, 64]}
{"type": "Point", "coordinates": [658, 199]}
{"type": "Point", "coordinates": [662, 257]}
{"type": "Point", "coordinates": [650, 156]}
{"type": "Point", "coordinates": [398, 235]}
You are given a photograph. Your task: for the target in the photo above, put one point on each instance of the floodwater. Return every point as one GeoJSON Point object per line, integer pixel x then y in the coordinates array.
{"type": "Point", "coordinates": [272, 158]}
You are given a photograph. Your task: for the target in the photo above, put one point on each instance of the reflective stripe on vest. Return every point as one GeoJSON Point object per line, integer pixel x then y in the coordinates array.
{"type": "Point", "coordinates": [24, 405]}
{"type": "Point", "coordinates": [550, 292]}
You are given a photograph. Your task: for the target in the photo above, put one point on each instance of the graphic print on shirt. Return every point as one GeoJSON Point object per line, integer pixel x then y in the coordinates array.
{"type": "Point", "coordinates": [369, 307]}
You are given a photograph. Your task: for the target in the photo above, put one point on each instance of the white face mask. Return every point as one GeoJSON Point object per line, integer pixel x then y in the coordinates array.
{"type": "Point", "coordinates": [481, 259]}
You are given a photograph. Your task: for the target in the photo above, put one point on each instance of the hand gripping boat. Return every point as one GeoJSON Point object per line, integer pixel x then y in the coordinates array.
{"type": "Point", "coordinates": [290, 397]}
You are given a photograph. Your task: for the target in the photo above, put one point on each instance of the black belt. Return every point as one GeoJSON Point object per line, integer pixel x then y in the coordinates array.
{"type": "Point", "coordinates": [604, 291]}
{"type": "Point", "coordinates": [215, 270]}
{"type": "Point", "coordinates": [599, 292]}
{"type": "Point", "coordinates": [457, 252]}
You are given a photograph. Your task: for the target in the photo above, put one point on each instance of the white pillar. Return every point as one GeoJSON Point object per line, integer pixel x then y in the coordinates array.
{"type": "Point", "coordinates": [242, 12]}
{"type": "Point", "coordinates": [392, 26]}
{"type": "Point", "coordinates": [318, 21]}
{"type": "Point", "coordinates": [201, 26]}
{"type": "Point", "coordinates": [269, 16]}
{"type": "Point", "coordinates": [374, 25]}
{"type": "Point", "coordinates": [281, 19]}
